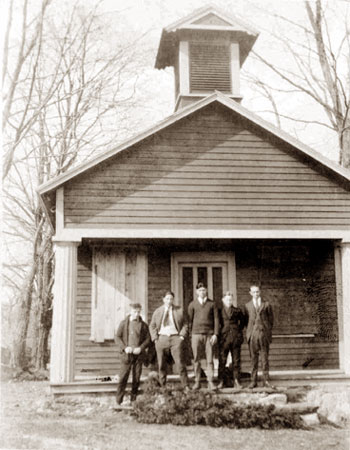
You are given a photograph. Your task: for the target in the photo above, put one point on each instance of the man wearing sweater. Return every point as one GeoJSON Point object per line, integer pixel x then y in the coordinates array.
{"type": "Point", "coordinates": [204, 326]}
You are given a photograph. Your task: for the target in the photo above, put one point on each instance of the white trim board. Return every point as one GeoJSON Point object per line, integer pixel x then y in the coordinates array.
{"type": "Point", "coordinates": [70, 234]}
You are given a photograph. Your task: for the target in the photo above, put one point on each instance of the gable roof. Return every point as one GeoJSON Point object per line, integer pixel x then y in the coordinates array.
{"type": "Point", "coordinates": [195, 17]}
{"type": "Point", "coordinates": [202, 20]}
{"type": "Point", "coordinates": [341, 174]}
{"type": "Point", "coordinates": [180, 114]}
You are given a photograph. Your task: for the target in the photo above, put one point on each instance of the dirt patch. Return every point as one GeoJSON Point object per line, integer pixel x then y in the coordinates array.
{"type": "Point", "coordinates": [32, 420]}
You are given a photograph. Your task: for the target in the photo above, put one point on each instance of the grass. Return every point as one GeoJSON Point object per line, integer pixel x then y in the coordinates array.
{"type": "Point", "coordinates": [30, 420]}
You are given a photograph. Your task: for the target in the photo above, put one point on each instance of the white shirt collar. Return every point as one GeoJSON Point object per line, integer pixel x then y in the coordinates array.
{"type": "Point", "coordinates": [257, 302]}
{"type": "Point", "coordinates": [202, 300]}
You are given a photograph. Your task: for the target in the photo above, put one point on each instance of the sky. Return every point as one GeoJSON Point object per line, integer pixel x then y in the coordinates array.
{"type": "Point", "coordinates": [150, 16]}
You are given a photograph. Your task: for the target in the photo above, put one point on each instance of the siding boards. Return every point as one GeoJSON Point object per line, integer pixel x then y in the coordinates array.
{"type": "Point", "coordinates": [297, 278]}
{"type": "Point", "coordinates": [206, 171]}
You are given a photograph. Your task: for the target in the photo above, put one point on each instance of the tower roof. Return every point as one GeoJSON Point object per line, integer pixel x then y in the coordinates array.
{"type": "Point", "coordinates": [209, 22]}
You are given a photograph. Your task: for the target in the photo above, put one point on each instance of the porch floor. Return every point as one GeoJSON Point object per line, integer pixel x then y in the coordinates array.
{"type": "Point", "coordinates": [278, 379]}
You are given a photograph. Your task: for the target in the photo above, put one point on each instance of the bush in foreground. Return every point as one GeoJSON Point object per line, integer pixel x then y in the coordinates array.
{"type": "Point", "coordinates": [169, 405]}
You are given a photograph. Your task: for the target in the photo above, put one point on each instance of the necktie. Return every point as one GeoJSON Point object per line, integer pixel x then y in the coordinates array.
{"type": "Point", "coordinates": [166, 320]}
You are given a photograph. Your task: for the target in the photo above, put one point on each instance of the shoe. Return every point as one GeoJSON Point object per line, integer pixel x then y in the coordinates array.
{"type": "Point", "coordinates": [211, 386]}
{"type": "Point", "coordinates": [196, 386]}
{"type": "Point", "coordinates": [252, 385]}
{"type": "Point", "coordinates": [268, 385]}
{"type": "Point", "coordinates": [237, 385]}
{"type": "Point", "coordinates": [221, 385]}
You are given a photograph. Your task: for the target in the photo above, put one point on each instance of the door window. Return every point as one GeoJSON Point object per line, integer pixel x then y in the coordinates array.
{"type": "Point", "coordinates": [215, 270]}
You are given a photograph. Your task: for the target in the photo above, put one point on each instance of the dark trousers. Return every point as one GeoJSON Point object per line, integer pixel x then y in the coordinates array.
{"type": "Point", "coordinates": [134, 363]}
{"type": "Point", "coordinates": [233, 347]}
{"type": "Point", "coordinates": [259, 345]}
{"type": "Point", "coordinates": [173, 344]}
{"type": "Point", "coordinates": [201, 347]}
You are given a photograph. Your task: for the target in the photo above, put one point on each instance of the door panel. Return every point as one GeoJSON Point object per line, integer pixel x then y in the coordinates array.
{"type": "Point", "coordinates": [215, 270]}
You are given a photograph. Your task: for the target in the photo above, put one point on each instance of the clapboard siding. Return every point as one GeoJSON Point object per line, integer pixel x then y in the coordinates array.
{"type": "Point", "coordinates": [297, 278]}
{"type": "Point", "coordinates": [207, 171]}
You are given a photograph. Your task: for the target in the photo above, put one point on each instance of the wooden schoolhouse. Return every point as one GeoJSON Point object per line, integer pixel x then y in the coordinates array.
{"type": "Point", "coordinates": [212, 193]}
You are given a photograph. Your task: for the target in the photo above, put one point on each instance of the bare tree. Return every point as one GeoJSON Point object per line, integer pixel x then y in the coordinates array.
{"type": "Point", "coordinates": [66, 89]}
{"type": "Point", "coordinates": [315, 63]}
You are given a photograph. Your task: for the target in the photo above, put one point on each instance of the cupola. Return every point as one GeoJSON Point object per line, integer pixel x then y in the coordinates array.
{"type": "Point", "coordinates": [206, 49]}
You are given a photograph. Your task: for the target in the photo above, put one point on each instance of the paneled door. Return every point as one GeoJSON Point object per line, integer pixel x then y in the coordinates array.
{"type": "Point", "coordinates": [215, 270]}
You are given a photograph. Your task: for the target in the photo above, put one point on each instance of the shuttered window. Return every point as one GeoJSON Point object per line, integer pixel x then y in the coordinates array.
{"type": "Point", "coordinates": [210, 67]}
{"type": "Point", "coordinates": [119, 278]}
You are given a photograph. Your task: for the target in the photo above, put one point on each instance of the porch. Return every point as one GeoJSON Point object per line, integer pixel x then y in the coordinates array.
{"type": "Point", "coordinates": [301, 278]}
{"type": "Point", "coordinates": [280, 379]}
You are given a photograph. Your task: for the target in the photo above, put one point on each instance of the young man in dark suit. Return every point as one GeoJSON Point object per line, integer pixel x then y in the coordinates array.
{"type": "Point", "coordinates": [232, 321]}
{"type": "Point", "coordinates": [204, 326]}
{"type": "Point", "coordinates": [259, 334]}
{"type": "Point", "coordinates": [132, 339]}
{"type": "Point", "coordinates": [169, 329]}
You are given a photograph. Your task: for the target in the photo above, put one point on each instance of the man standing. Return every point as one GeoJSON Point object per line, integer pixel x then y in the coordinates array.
{"type": "Point", "coordinates": [132, 340]}
{"type": "Point", "coordinates": [259, 334]}
{"type": "Point", "coordinates": [204, 326]}
{"type": "Point", "coordinates": [232, 321]}
{"type": "Point", "coordinates": [168, 331]}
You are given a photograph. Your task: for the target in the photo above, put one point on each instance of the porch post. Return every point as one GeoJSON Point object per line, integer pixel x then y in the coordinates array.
{"type": "Point", "coordinates": [63, 321]}
{"type": "Point", "coordinates": [345, 278]}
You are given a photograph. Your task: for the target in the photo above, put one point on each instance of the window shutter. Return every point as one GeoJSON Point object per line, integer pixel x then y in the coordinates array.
{"type": "Point", "coordinates": [210, 67]}
{"type": "Point", "coordinates": [119, 277]}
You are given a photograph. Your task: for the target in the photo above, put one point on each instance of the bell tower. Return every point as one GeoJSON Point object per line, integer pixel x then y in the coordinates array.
{"type": "Point", "coordinates": [206, 49]}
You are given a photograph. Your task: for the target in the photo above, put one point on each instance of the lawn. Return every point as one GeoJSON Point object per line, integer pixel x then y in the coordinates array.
{"type": "Point", "coordinates": [30, 420]}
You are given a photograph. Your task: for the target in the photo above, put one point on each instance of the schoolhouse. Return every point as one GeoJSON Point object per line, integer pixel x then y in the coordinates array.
{"type": "Point", "coordinates": [212, 193]}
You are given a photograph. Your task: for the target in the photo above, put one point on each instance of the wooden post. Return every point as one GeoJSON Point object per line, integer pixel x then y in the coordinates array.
{"type": "Point", "coordinates": [64, 310]}
{"type": "Point", "coordinates": [235, 68]}
{"type": "Point", "coordinates": [345, 263]}
{"type": "Point", "coordinates": [184, 68]}
{"type": "Point", "coordinates": [339, 294]}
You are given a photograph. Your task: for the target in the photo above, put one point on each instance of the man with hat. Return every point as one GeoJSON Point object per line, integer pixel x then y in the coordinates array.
{"type": "Point", "coordinates": [204, 326]}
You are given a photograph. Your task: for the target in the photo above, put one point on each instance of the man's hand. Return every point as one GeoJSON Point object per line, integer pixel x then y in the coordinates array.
{"type": "Point", "coordinates": [128, 350]}
{"type": "Point", "coordinates": [213, 339]}
{"type": "Point", "coordinates": [137, 351]}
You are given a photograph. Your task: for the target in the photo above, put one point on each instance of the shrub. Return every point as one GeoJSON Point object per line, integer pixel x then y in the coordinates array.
{"type": "Point", "coordinates": [172, 405]}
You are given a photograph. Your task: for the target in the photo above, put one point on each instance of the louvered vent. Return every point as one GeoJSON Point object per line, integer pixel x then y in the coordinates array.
{"type": "Point", "coordinates": [209, 67]}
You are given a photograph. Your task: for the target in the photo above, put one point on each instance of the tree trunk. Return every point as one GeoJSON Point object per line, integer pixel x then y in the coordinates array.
{"type": "Point", "coordinates": [43, 318]}
{"type": "Point", "coordinates": [344, 144]}
{"type": "Point", "coordinates": [22, 317]}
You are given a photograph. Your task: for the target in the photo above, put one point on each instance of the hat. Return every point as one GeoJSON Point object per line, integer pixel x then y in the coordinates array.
{"type": "Point", "coordinates": [201, 285]}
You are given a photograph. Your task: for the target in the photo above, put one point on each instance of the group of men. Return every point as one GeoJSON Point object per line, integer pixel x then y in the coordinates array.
{"type": "Point", "coordinates": [208, 325]}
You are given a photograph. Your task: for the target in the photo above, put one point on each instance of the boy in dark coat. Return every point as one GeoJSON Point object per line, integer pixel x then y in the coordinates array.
{"type": "Point", "coordinates": [232, 321]}
{"type": "Point", "coordinates": [132, 339]}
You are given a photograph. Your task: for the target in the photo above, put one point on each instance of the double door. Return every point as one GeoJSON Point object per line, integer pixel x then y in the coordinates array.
{"type": "Point", "coordinates": [216, 270]}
